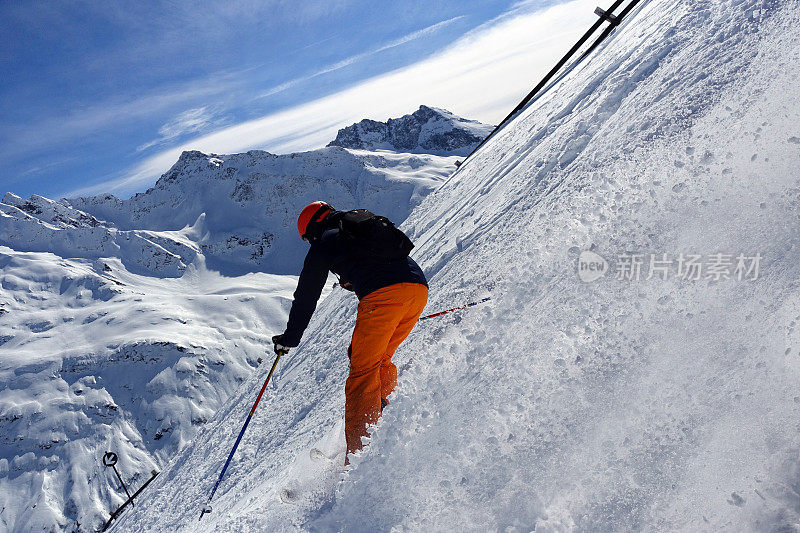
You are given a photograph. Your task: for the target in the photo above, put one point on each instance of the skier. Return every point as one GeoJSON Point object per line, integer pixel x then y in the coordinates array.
{"type": "Point", "coordinates": [370, 256]}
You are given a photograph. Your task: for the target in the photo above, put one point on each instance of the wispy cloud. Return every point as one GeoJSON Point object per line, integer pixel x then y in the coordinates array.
{"type": "Point", "coordinates": [358, 57]}
{"type": "Point", "coordinates": [54, 130]}
{"type": "Point", "coordinates": [480, 76]}
{"type": "Point", "coordinates": [197, 120]}
{"type": "Point", "coordinates": [47, 166]}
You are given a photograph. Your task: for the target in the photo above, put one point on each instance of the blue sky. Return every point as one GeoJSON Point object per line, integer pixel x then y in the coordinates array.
{"type": "Point", "coordinates": [102, 96]}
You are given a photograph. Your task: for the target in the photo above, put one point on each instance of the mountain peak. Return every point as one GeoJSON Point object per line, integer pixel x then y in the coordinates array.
{"type": "Point", "coordinates": [427, 130]}
{"type": "Point", "coordinates": [188, 155]}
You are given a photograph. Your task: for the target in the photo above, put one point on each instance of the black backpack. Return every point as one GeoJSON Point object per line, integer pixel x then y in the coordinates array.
{"type": "Point", "coordinates": [374, 237]}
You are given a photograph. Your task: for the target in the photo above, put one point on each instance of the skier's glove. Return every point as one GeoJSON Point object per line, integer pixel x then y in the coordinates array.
{"type": "Point", "coordinates": [278, 346]}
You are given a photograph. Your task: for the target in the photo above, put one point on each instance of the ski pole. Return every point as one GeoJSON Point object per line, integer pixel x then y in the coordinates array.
{"type": "Point", "coordinates": [440, 313]}
{"type": "Point", "coordinates": [207, 507]}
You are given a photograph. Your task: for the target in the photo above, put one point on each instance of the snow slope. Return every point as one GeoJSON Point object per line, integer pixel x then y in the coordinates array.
{"type": "Point", "coordinates": [95, 358]}
{"type": "Point", "coordinates": [619, 405]}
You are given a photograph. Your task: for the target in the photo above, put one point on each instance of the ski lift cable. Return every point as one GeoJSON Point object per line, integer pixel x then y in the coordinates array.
{"type": "Point", "coordinates": [604, 16]}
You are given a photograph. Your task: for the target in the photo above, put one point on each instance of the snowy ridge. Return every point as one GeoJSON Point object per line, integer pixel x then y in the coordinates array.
{"type": "Point", "coordinates": [428, 130]}
{"type": "Point", "coordinates": [657, 404]}
{"type": "Point", "coordinates": [244, 206]}
{"type": "Point", "coordinates": [42, 225]}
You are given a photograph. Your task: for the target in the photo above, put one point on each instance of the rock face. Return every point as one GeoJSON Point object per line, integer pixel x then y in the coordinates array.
{"type": "Point", "coordinates": [428, 130]}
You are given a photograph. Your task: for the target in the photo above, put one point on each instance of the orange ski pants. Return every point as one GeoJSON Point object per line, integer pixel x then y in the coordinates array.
{"type": "Point", "coordinates": [385, 318]}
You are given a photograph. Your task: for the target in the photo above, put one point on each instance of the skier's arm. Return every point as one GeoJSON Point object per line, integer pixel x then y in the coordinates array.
{"type": "Point", "coordinates": [309, 287]}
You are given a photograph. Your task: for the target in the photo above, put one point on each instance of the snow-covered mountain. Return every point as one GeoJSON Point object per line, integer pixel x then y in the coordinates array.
{"type": "Point", "coordinates": [39, 224]}
{"type": "Point", "coordinates": [648, 400]}
{"type": "Point", "coordinates": [243, 207]}
{"type": "Point", "coordinates": [428, 130]}
{"type": "Point", "coordinates": [125, 324]}
{"type": "Point", "coordinates": [239, 210]}
{"type": "Point", "coordinates": [95, 358]}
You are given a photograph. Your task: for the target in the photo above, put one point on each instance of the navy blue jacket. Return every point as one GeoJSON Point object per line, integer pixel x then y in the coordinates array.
{"type": "Point", "coordinates": [332, 252]}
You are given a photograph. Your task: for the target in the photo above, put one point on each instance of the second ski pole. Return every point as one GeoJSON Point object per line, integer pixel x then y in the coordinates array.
{"type": "Point", "coordinates": [440, 313]}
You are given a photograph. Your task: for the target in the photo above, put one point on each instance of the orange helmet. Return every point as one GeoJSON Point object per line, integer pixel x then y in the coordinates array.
{"type": "Point", "coordinates": [312, 214]}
